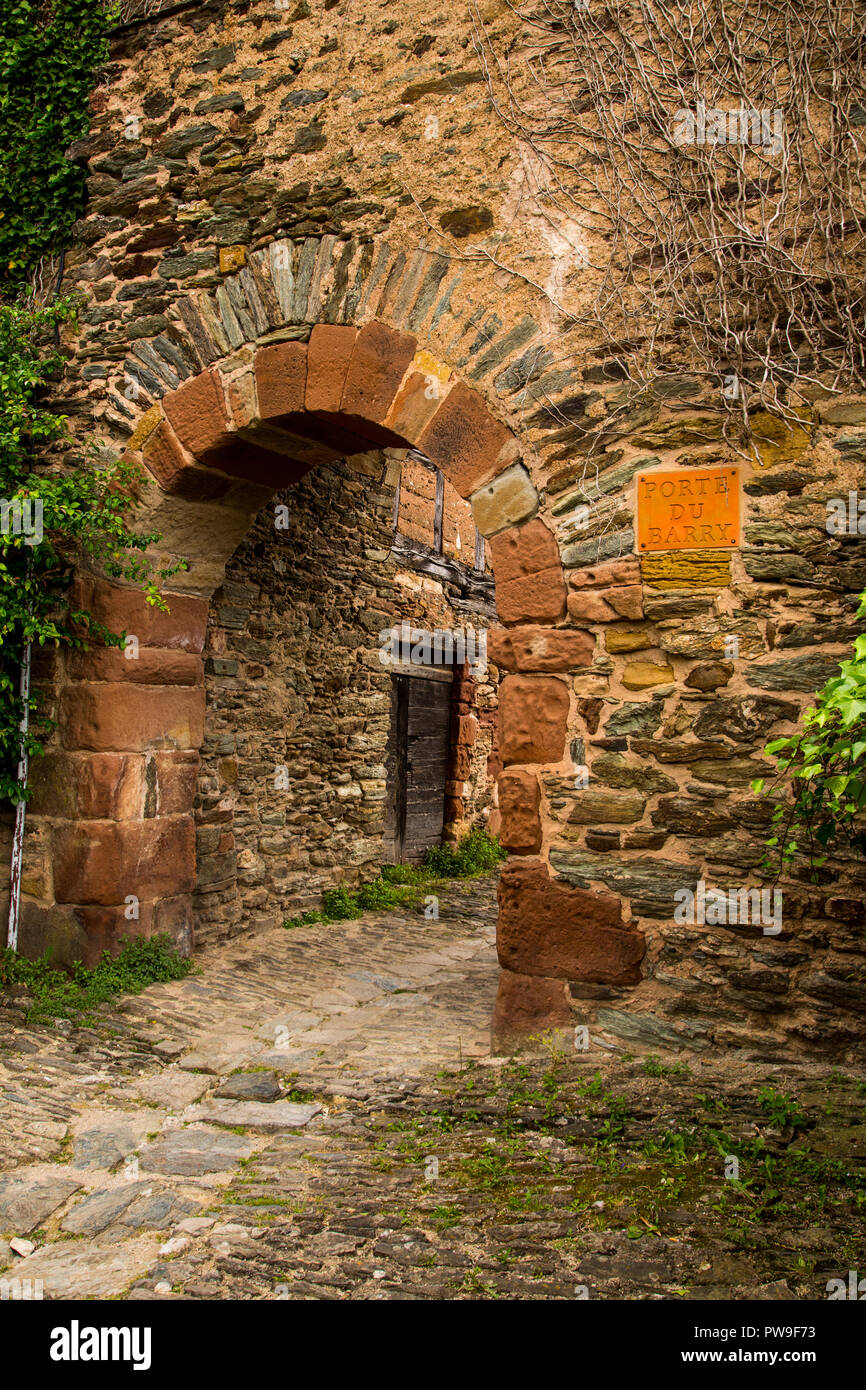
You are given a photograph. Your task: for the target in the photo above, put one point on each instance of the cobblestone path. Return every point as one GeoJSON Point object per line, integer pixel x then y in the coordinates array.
{"type": "Point", "coordinates": [315, 1115]}
{"type": "Point", "coordinates": [114, 1138]}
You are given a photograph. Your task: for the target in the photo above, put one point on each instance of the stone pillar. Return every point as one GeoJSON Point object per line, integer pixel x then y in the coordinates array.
{"type": "Point", "coordinates": [131, 723]}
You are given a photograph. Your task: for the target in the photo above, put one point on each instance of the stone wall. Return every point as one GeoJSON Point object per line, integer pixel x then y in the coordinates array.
{"type": "Point", "coordinates": [292, 785]}
{"type": "Point", "coordinates": [308, 231]}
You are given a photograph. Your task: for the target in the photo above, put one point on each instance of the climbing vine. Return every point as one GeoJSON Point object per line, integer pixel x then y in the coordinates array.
{"type": "Point", "coordinates": [52, 518]}
{"type": "Point", "coordinates": [50, 54]}
{"type": "Point", "coordinates": [59, 504]}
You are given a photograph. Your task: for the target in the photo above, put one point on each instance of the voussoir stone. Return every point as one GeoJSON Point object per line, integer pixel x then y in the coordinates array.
{"type": "Point", "coordinates": [197, 413]}
{"type": "Point", "coordinates": [506, 500]}
{"type": "Point", "coordinates": [466, 442]}
{"type": "Point", "coordinates": [281, 379]}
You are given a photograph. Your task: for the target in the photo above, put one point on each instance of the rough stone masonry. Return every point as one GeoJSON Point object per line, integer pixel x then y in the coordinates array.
{"type": "Point", "coordinates": [295, 254]}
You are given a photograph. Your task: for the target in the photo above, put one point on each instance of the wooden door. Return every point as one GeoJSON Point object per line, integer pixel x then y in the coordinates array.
{"type": "Point", "coordinates": [418, 765]}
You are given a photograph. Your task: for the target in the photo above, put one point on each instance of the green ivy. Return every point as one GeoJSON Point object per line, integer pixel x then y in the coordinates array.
{"type": "Point", "coordinates": [823, 771]}
{"type": "Point", "coordinates": [84, 512]}
{"type": "Point", "coordinates": [50, 54]}
{"type": "Point", "coordinates": [54, 516]}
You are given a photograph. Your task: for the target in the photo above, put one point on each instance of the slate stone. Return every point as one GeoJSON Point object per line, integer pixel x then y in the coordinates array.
{"type": "Point", "coordinates": [748, 717]}
{"type": "Point", "coordinates": [806, 673]}
{"type": "Point", "coordinates": [768, 568]}
{"type": "Point", "coordinates": [25, 1204]}
{"type": "Point", "coordinates": [270, 1118]}
{"type": "Point", "coordinates": [710, 675]}
{"type": "Point", "coordinates": [645, 1028]}
{"type": "Point", "coordinates": [190, 1152]}
{"type": "Point", "coordinates": [615, 771]}
{"type": "Point", "coordinates": [157, 1210]}
{"type": "Point", "coordinates": [251, 1085]}
{"type": "Point", "coordinates": [521, 334]}
{"type": "Point", "coordinates": [683, 815]}
{"type": "Point", "coordinates": [88, 1269]}
{"type": "Point", "coordinates": [592, 552]}
{"type": "Point", "coordinates": [102, 1148]}
{"type": "Point", "coordinates": [635, 717]}
{"type": "Point", "coordinates": [101, 1209]}
{"type": "Point", "coordinates": [649, 883]}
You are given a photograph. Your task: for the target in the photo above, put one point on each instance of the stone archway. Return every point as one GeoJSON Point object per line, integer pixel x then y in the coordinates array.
{"type": "Point", "coordinates": [116, 799]}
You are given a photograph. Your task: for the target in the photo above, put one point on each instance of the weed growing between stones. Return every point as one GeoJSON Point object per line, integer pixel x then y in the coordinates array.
{"type": "Point", "coordinates": [404, 885]}
{"type": "Point", "coordinates": [75, 994]}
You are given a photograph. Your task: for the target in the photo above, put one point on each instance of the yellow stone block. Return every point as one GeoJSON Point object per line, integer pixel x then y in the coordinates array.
{"type": "Point", "coordinates": [232, 258]}
{"type": "Point", "coordinates": [624, 639]}
{"type": "Point", "coordinates": [641, 675]}
{"type": "Point", "coordinates": [777, 441]}
{"type": "Point", "coordinates": [687, 569]}
{"type": "Point", "coordinates": [145, 427]}
{"type": "Point", "coordinates": [426, 363]}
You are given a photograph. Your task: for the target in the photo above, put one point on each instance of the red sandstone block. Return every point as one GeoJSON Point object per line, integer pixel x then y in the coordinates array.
{"type": "Point", "coordinates": [550, 929]}
{"type": "Point", "coordinates": [466, 442]}
{"type": "Point", "coordinates": [198, 414]}
{"type": "Point", "coordinates": [533, 714]}
{"type": "Point", "coordinates": [526, 1006]}
{"type": "Point", "coordinates": [626, 600]}
{"type": "Point", "coordinates": [519, 800]}
{"type": "Point", "coordinates": [126, 610]}
{"type": "Point", "coordinates": [614, 572]}
{"type": "Point", "coordinates": [176, 470]}
{"type": "Point", "coordinates": [499, 648]}
{"type": "Point", "coordinates": [589, 607]}
{"type": "Point", "coordinates": [281, 379]}
{"type": "Point", "coordinates": [176, 777]}
{"type": "Point", "coordinates": [106, 861]}
{"type": "Point", "coordinates": [379, 361]}
{"type": "Point", "coordinates": [131, 718]}
{"type": "Point", "coordinates": [98, 786]}
{"type": "Point", "coordinates": [605, 605]}
{"type": "Point", "coordinates": [328, 355]}
{"type": "Point", "coordinates": [538, 598]}
{"type": "Point", "coordinates": [461, 763]}
{"type": "Point", "coordinates": [413, 408]}
{"type": "Point", "coordinates": [528, 574]}
{"type": "Point", "coordinates": [152, 666]}
{"type": "Point", "coordinates": [108, 928]}
{"type": "Point", "coordinates": [523, 551]}
{"type": "Point", "coordinates": [467, 730]}
{"type": "Point", "coordinates": [541, 649]}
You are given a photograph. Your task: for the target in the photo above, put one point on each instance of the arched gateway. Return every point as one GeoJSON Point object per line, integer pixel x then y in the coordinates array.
{"type": "Point", "coordinates": [239, 419]}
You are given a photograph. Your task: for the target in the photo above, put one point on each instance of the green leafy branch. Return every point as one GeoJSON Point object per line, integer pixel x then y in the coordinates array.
{"type": "Point", "coordinates": [823, 771]}
{"type": "Point", "coordinates": [85, 512]}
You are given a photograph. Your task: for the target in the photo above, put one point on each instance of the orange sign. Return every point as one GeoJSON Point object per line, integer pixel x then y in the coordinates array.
{"type": "Point", "coordinates": [688, 509]}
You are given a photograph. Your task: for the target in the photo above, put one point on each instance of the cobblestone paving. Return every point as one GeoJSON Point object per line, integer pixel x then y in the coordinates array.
{"type": "Point", "coordinates": [315, 1115]}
